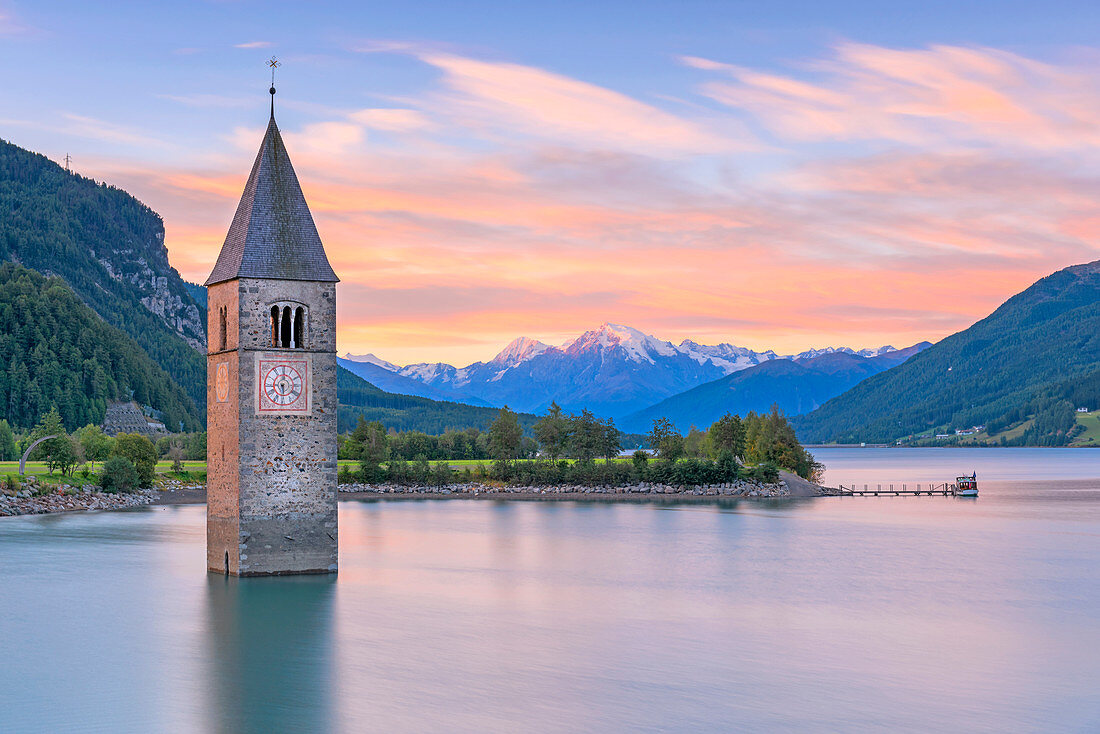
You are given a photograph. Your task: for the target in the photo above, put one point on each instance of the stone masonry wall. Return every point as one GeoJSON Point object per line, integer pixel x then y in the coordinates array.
{"type": "Point", "coordinates": [222, 427]}
{"type": "Point", "coordinates": [287, 462]}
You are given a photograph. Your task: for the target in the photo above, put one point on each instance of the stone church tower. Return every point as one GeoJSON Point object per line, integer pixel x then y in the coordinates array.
{"type": "Point", "coordinates": [271, 382]}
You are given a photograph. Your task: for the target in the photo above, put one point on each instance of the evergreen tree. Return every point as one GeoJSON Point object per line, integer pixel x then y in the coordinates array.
{"type": "Point", "coordinates": [612, 440]}
{"type": "Point", "coordinates": [57, 449]}
{"type": "Point", "coordinates": [102, 242]}
{"type": "Point", "coordinates": [370, 444]}
{"type": "Point", "coordinates": [726, 434]}
{"type": "Point", "coordinates": [505, 436]}
{"type": "Point", "coordinates": [587, 436]}
{"type": "Point", "coordinates": [552, 431]}
{"type": "Point", "coordinates": [771, 439]}
{"type": "Point", "coordinates": [196, 446]}
{"type": "Point", "coordinates": [694, 443]}
{"type": "Point", "coordinates": [8, 450]}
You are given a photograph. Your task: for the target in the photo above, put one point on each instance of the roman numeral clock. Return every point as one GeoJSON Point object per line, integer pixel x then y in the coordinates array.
{"type": "Point", "coordinates": [282, 384]}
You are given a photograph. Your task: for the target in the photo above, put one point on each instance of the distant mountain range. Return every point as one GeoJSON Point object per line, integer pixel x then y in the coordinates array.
{"type": "Point", "coordinates": [794, 385]}
{"type": "Point", "coordinates": [614, 371]}
{"type": "Point", "coordinates": [1021, 372]}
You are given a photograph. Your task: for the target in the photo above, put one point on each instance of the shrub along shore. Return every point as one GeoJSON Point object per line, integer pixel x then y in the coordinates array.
{"type": "Point", "coordinates": [639, 491]}
{"type": "Point", "coordinates": [38, 498]}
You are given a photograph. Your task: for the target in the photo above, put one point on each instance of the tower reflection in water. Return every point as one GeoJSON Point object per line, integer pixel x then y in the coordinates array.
{"type": "Point", "coordinates": [271, 659]}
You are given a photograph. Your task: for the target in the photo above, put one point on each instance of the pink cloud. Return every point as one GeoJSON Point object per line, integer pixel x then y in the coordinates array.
{"type": "Point", "coordinates": [510, 200]}
{"type": "Point", "coordinates": [513, 98]}
{"type": "Point", "coordinates": [913, 96]}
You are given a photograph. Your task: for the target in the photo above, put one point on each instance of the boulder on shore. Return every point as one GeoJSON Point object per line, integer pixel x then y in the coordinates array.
{"type": "Point", "coordinates": [798, 486]}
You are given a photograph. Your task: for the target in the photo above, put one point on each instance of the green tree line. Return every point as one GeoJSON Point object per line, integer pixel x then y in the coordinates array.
{"type": "Point", "coordinates": [732, 447]}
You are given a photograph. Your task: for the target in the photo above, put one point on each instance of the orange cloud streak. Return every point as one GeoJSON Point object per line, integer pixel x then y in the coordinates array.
{"type": "Point", "coordinates": [511, 200]}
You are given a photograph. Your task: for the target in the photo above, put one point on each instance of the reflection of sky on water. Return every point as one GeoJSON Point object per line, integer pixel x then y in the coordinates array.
{"type": "Point", "coordinates": [939, 465]}
{"type": "Point", "coordinates": [896, 614]}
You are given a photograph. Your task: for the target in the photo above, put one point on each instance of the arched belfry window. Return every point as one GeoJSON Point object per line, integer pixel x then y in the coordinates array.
{"type": "Point", "coordinates": [288, 325]}
{"type": "Point", "coordinates": [285, 330]}
{"type": "Point", "coordinates": [299, 341]}
{"type": "Point", "coordinates": [222, 327]}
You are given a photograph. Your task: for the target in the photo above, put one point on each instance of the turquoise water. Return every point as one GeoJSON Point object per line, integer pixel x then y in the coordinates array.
{"type": "Point", "coordinates": [836, 614]}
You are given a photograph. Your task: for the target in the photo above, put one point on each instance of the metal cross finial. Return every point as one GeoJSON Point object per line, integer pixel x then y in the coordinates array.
{"type": "Point", "coordinates": [274, 64]}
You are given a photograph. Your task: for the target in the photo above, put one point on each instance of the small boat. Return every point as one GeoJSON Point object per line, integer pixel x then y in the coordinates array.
{"type": "Point", "coordinates": [967, 486]}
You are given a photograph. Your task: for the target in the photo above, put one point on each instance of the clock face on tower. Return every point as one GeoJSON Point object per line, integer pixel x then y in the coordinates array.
{"type": "Point", "coordinates": [282, 384]}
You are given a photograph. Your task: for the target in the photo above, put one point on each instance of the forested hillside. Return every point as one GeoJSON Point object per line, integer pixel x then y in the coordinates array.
{"type": "Point", "coordinates": [1029, 361]}
{"type": "Point", "coordinates": [109, 248]}
{"type": "Point", "coordinates": [394, 382]}
{"type": "Point", "coordinates": [794, 386]}
{"type": "Point", "coordinates": [358, 397]}
{"type": "Point", "coordinates": [54, 350]}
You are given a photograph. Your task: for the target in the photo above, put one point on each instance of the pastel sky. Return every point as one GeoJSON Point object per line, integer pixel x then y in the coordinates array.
{"type": "Point", "coordinates": [778, 175]}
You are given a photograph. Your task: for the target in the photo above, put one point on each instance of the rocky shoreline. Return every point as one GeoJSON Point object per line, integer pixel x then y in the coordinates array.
{"type": "Point", "coordinates": [71, 499]}
{"type": "Point", "coordinates": [484, 490]}
{"type": "Point", "coordinates": [36, 498]}
{"type": "Point", "coordinates": [32, 499]}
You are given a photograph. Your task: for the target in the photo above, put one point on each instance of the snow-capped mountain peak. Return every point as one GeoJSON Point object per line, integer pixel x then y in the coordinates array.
{"type": "Point", "coordinates": [371, 359]}
{"type": "Point", "coordinates": [613, 369]}
{"type": "Point", "coordinates": [519, 350]}
{"type": "Point", "coordinates": [727, 356]}
{"type": "Point", "coordinates": [811, 353]}
{"type": "Point", "coordinates": [429, 372]}
{"type": "Point", "coordinates": [639, 346]}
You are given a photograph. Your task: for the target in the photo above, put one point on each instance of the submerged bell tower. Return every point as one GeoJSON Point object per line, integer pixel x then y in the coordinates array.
{"type": "Point", "coordinates": [271, 382]}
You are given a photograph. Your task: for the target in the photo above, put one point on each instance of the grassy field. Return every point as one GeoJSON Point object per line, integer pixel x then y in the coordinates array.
{"type": "Point", "coordinates": [983, 438]}
{"type": "Point", "coordinates": [1091, 422]}
{"type": "Point", "coordinates": [1091, 436]}
{"type": "Point", "coordinates": [38, 469]}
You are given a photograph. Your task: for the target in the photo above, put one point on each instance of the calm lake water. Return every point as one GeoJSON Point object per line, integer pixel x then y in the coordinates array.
{"type": "Point", "coordinates": [835, 614]}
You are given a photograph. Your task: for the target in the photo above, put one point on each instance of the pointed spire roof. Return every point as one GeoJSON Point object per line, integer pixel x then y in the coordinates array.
{"type": "Point", "coordinates": [273, 234]}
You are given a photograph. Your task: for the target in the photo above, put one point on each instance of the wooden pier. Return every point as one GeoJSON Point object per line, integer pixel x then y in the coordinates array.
{"type": "Point", "coordinates": [891, 490]}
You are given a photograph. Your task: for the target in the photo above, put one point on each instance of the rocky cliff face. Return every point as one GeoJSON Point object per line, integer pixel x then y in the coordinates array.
{"type": "Point", "coordinates": [158, 287]}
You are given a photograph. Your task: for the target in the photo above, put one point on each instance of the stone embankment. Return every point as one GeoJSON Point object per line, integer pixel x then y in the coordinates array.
{"type": "Point", "coordinates": [35, 499]}
{"type": "Point", "coordinates": [643, 489]}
